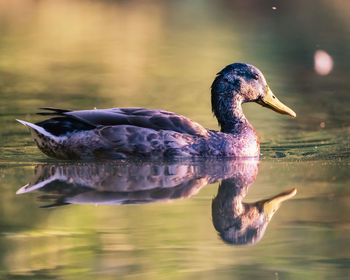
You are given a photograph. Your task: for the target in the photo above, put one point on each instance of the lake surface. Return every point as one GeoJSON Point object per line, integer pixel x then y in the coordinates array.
{"type": "Point", "coordinates": [176, 220]}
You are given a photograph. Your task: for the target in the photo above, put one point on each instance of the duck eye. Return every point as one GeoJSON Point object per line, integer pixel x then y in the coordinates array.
{"type": "Point", "coordinates": [255, 76]}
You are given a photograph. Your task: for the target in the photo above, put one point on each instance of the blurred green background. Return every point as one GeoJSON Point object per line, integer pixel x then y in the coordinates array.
{"type": "Point", "coordinates": [165, 54]}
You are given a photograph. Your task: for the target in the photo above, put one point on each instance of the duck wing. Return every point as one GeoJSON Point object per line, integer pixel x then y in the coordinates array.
{"type": "Point", "coordinates": [141, 117]}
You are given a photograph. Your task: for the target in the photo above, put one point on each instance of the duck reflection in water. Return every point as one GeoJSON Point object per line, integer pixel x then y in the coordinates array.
{"type": "Point", "coordinates": [148, 182]}
{"type": "Point", "coordinates": [241, 223]}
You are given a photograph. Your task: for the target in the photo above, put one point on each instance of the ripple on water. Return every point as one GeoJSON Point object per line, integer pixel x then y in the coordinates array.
{"type": "Point", "coordinates": [315, 146]}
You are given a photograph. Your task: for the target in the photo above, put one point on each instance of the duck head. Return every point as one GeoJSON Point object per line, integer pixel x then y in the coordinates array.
{"type": "Point", "coordinates": [238, 83]}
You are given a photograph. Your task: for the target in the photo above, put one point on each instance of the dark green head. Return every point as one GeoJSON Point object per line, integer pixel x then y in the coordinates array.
{"type": "Point", "coordinates": [238, 83]}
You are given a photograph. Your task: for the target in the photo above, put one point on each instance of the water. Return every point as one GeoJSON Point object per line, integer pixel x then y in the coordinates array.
{"type": "Point", "coordinates": [79, 55]}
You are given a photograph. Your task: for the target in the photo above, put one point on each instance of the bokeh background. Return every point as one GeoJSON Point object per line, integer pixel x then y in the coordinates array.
{"type": "Point", "coordinates": [165, 54]}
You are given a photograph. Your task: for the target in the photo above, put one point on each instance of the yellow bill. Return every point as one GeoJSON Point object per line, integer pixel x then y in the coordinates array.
{"type": "Point", "coordinates": [270, 206]}
{"type": "Point", "coordinates": [271, 101]}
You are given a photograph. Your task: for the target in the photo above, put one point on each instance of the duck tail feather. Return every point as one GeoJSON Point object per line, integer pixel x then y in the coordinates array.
{"type": "Point", "coordinates": [47, 114]}
{"type": "Point", "coordinates": [36, 129]}
{"type": "Point", "coordinates": [54, 111]}
{"type": "Point", "coordinates": [56, 204]}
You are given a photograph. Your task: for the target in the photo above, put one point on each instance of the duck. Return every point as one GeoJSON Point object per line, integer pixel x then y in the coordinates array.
{"type": "Point", "coordinates": [121, 133]}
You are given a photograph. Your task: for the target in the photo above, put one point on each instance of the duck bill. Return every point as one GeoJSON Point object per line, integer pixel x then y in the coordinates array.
{"type": "Point", "coordinates": [271, 101]}
{"type": "Point", "coordinates": [270, 206]}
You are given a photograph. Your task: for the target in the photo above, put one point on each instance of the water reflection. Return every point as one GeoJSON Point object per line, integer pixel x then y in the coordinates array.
{"type": "Point", "coordinates": [241, 223]}
{"type": "Point", "coordinates": [123, 182]}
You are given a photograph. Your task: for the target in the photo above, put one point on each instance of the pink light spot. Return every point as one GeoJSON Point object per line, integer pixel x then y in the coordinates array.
{"type": "Point", "coordinates": [323, 62]}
